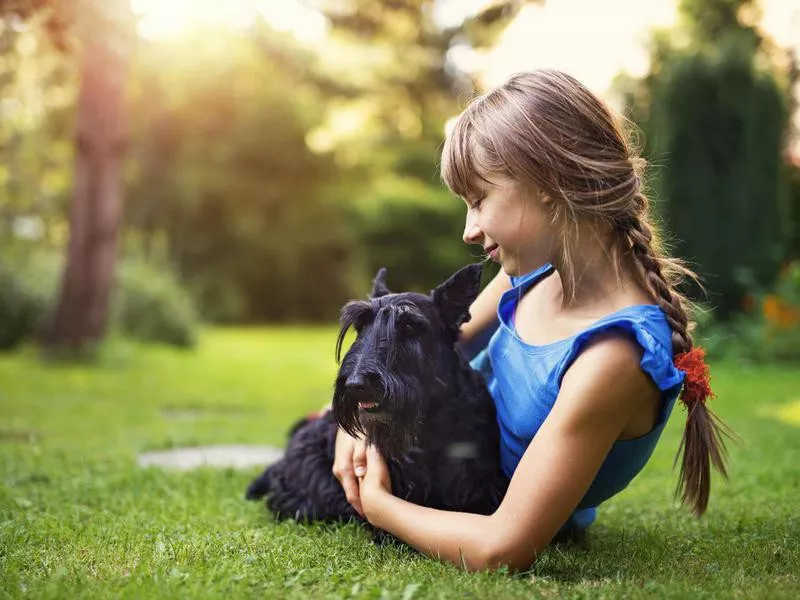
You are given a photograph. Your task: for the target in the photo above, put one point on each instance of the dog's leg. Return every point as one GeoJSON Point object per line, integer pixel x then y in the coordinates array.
{"type": "Point", "coordinates": [304, 488]}
{"type": "Point", "coordinates": [259, 487]}
{"type": "Point", "coordinates": [301, 485]}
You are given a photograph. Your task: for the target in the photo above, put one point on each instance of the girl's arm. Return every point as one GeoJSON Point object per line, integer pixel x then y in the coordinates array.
{"type": "Point", "coordinates": [599, 395]}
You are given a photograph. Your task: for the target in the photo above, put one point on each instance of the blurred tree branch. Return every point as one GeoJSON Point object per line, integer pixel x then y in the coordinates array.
{"type": "Point", "coordinates": [406, 74]}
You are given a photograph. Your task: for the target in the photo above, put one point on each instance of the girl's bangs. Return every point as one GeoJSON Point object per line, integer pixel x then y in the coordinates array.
{"type": "Point", "coordinates": [460, 170]}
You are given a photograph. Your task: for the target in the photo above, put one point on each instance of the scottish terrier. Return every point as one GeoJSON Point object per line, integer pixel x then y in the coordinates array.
{"type": "Point", "coordinates": [405, 386]}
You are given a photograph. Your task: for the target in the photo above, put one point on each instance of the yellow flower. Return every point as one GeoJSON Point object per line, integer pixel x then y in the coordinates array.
{"type": "Point", "coordinates": [779, 313]}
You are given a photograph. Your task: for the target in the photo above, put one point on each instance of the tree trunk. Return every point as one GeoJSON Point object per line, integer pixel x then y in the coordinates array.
{"type": "Point", "coordinates": [100, 142]}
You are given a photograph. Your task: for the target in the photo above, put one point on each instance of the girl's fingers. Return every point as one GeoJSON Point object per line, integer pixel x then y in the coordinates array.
{"type": "Point", "coordinates": [360, 459]}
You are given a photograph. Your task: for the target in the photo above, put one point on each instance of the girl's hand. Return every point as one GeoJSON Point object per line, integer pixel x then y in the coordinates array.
{"type": "Point", "coordinates": [374, 481]}
{"type": "Point", "coordinates": [349, 457]}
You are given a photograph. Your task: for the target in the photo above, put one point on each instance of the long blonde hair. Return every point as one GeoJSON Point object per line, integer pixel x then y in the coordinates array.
{"type": "Point", "coordinates": [546, 129]}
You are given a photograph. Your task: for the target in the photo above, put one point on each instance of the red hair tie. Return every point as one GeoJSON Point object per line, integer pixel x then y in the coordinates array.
{"type": "Point", "coordinates": [696, 386]}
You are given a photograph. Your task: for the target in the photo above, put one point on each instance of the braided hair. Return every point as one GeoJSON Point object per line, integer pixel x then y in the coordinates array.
{"type": "Point", "coordinates": [703, 441]}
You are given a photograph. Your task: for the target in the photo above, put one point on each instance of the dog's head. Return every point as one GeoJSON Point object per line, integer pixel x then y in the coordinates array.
{"type": "Point", "coordinates": [401, 359]}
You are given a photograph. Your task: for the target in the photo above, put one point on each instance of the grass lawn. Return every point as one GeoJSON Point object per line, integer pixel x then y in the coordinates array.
{"type": "Point", "coordinates": [79, 519]}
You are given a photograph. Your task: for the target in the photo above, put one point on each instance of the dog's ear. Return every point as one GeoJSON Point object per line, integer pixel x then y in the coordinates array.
{"type": "Point", "coordinates": [379, 284]}
{"type": "Point", "coordinates": [454, 296]}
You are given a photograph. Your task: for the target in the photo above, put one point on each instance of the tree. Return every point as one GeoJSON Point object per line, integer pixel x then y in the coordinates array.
{"type": "Point", "coordinates": [100, 35]}
{"type": "Point", "coordinates": [101, 138]}
{"type": "Point", "coordinates": [406, 89]}
{"type": "Point", "coordinates": [715, 120]}
{"type": "Point", "coordinates": [408, 83]}
{"type": "Point", "coordinates": [225, 186]}
{"type": "Point", "coordinates": [265, 226]}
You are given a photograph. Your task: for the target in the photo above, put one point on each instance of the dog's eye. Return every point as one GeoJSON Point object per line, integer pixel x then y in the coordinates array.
{"type": "Point", "coordinates": [410, 328]}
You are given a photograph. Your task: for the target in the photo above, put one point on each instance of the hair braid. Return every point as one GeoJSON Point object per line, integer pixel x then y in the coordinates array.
{"type": "Point", "coordinates": [652, 270]}
{"type": "Point", "coordinates": [703, 443]}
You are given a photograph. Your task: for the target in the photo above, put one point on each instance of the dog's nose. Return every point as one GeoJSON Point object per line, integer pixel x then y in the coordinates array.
{"type": "Point", "coordinates": [355, 383]}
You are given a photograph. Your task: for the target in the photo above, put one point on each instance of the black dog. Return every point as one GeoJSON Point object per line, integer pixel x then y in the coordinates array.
{"type": "Point", "coordinates": [407, 388]}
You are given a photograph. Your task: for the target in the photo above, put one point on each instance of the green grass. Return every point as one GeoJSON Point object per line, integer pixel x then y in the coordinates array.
{"type": "Point", "coordinates": [79, 519]}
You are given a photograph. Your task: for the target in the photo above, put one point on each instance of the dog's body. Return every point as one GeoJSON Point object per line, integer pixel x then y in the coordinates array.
{"type": "Point", "coordinates": [405, 386]}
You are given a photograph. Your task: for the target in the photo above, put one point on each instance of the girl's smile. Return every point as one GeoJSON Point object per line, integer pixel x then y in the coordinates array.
{"type": "Point", "coordinates": [493, 252]}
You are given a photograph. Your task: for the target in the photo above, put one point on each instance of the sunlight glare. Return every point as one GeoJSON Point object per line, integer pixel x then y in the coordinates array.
{"type": "Point", "coordinates": [607, 38]}
{"type": "Point", "coordinates": [159, 20]}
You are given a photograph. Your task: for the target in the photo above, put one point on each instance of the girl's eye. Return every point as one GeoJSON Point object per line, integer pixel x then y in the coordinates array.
{"type": "Point", "coordinates": [477, 204]}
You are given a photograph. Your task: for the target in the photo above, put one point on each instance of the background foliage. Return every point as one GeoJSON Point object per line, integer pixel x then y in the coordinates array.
{"type": "Point", "coordinates": [714, 109]}
{"type": "Point", "coordinates": [271, 181]}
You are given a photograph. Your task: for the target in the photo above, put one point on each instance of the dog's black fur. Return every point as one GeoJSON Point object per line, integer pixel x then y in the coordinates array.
{"type": "Point", "coordinates": [434, 421]}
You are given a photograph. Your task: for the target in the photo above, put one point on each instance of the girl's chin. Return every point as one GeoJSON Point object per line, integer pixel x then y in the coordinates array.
{"type": "Point", "coordinates": [513, 268]}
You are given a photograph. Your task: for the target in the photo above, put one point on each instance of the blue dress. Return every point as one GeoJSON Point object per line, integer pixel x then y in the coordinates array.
{"type": "Point", "coordinates": [525, 379]}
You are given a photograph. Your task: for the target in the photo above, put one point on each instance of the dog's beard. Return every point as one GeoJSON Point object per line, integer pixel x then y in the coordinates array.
{"type": "Point", "coordinates": [345, 409]}
{"type": "Point", "coordinates": [391, 442]}
{"type": "Point", "coordinates": [394, 428]}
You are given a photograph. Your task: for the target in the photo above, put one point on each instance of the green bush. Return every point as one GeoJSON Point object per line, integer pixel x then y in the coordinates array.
{"type": "Point", "coordinates": [748, 339]}
{"type": "Point", "coordinates": [17, 310]}
{"type": "Point", "coordinates": [767, 332]}
{"type": "Point", "coordinates": [148, 302]}
{"type": "Point", "coordinates": [414, 231]}
{"type": "Point", "coordinates": [793, 182]}
{"type": "Point", "coordinates": [150, 305]}
{"type": "Point", "coordinates": [27, 293]}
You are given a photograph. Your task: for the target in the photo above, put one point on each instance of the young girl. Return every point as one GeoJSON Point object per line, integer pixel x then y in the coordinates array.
{"type": "Point", "coordinates": [591, 344]}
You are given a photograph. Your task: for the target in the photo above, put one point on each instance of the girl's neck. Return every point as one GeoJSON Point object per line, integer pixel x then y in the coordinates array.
{"type": "Point", "coordinates": [596, 281]}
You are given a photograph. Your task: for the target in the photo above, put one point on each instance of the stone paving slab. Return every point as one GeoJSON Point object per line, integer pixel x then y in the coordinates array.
{"type": "Point", "coordinates": [235, 456]}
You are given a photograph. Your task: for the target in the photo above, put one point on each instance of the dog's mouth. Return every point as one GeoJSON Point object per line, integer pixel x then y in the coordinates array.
{"type": "Point", "coordinates": [369, 406]}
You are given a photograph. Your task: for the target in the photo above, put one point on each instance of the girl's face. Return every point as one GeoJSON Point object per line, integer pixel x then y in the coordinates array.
{"type": "Point", "coordinates": [513, 224]}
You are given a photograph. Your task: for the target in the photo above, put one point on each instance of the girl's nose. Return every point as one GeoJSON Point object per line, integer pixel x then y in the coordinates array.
{"type": "Point", "coordinates": [472, 233]}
